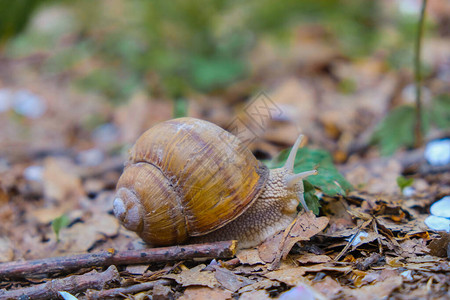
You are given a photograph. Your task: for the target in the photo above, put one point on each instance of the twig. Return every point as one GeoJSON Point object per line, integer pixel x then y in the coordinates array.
{"type": "Point", "coordinates": [349, 243]}
{"type": "Point", "coordinates": [133, 289]}
{"type": "Point", "coordinates": [418, 76]}
{"type": "Point", "coordinates": [72, 284]}
{"type": "Point", "coordinates": [65, 264]}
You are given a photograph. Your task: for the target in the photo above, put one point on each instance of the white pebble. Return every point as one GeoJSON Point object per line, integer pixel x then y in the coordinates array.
{"type": "Point", "coordinates": [438, 223]}
{"type": "Point", "coordinates": [409, 191]}
{"type": "Point", "coordinates": [28, 104]}
{"type": "Point", "coordinates": [407, 275]}
{"type": "Point", "coordinates": [437, 152]}
{"type": "Point", "coordinates": [441, 208]}
{"type": "Point", "coordinates": [33, 173]}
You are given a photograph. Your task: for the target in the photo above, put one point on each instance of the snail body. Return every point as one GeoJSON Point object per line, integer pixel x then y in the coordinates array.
{"type": "Point", "coordinates": [188, 179]}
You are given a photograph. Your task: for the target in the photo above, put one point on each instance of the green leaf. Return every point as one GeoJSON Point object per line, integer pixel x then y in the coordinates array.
{"type": "Point", "coordinates": [310, 197]}
{"type": "Point", "coordinates": [397, 129]}
{"type": "Point", "coordinates": [328, 179]}
{"type": "Point", "coordinates": [216, 72]}
{"type": "Point", "coordinates": [404, 182]}
{"type": "Point", "coordinates": [59, 223]}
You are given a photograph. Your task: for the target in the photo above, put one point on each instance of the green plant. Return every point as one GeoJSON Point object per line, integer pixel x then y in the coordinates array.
{"type": "Point", "coordinates": [397, 129]}
{"type": "Point", "coordinates": [404, 182]}
{"type": "Point", "coordinates": [59, 223]}
{"type": "Point", "coordinates": [328, 179]}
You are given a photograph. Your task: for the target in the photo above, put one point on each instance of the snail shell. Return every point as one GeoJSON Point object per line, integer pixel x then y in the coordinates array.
{"type": "Point", "coordinates": [184, 178]}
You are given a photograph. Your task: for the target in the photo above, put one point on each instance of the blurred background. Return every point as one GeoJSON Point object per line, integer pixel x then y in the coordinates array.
{"type": "Point", "coordinates": [81, 74]}
{"type": "Point", "coordinates": [81, 80]}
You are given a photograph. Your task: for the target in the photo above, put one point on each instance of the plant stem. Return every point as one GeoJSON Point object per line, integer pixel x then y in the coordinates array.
{"type": "Point", "coordinates": [418, 77]}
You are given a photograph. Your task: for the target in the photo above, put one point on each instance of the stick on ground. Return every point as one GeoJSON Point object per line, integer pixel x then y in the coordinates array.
{"type": "Point", "coordinates": [72, 284]}
{"type": "Point", "coordinates": [66, 264]}
{"type": "Point", "coordinates": [133, 289]}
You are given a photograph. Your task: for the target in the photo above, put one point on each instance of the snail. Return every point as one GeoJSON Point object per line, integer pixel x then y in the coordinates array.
{"type": "Point", "coordinates": [190, 180]}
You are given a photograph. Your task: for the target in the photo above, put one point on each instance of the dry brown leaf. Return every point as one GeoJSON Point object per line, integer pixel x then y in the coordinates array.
{"type": "Point", "coordinates": [269, 250]}
{"type": "Point", "coordinates": [255, 295]}
{"type": "Point", "coordinates": [82, 236]}
{"type": "Point", "coordinates": [303, 228]}
{"type": "Point", "coordinates": [439, 266]}
{"type": "Point", "coordinates": [441, 247]}
{"type": "Point", "coordinates": [290, 276]}
{"type": "Point", "coordinates": [306, 226]}
{"type": "Point", "coordinates": [379, 290]}
{"type": "Point", "coordinates": [249, 257]}
{"type": "Point", "coordinates": [161, 292]}
{"type": "Point", "coordinates": [259, 285]}
{"type": "Point", "coordinates": [413, 247]}
{"type": "Point", "coordinates": [327, 286]}
{"type": "Point", "coordinates": [310, 258]}
{"type": "Point", "coordinates": [231, 281]}
{"type": "Point", "coordinates": [195, 276]}
{"type": "Point", "coordinates": [204, 293]}
{"type": "Point", "coordinates": [137, 269]}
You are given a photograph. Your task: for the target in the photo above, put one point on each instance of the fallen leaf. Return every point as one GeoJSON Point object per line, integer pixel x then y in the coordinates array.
{"type": "Point", "coordinates": [310, 258]}
{"type": "Point", "coordinates": [231, 281]}
{"type": "Point", "coordinates": [195, 276]}
{"type": "Point", "coordinates": [303, 228]}
{"type": "Point", "coordinates": [293, 275]}
{"type": "Point", "coordinates": [440, 247]}
{"type": "Point", "coordinates": [204, 293]}
{"type": "Point", "coordinates": [290, 276]}
{"type": "Point", "coordinates": [249, 257]}
{"type": "Point", "coordinates": [82, 236]}
{"type": "Point", "coordinates": [255, 295]}
{"type": "Point", "coordinates": [270, 248]}
{"type": "Point", "coordinates": [379, 290]}
{"type": "Point", "coordinates": [137, 269]}
{"type": "Point", "coordinates": [328, 286]}
{"type": "Point", "coordinates": [162, 292]}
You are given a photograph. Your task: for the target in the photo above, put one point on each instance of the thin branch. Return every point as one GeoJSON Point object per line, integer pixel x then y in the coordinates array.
{"type": "Point", "coordinates": [66, 264]}
{"type": "Point", "coordinates": [418, 76]}
{"type": "Point", "coordinates": [133, 289]}
{"type": "Point", "coordinates": [73, 284]}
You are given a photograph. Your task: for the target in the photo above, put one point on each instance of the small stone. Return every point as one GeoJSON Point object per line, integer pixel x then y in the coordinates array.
{"type": "Point", "coordinates": [28, 104]}
{"type": "Point", "coordinates": [441, 208]}
{"type": "Point", "coordinates": [437, 152]}
{"type": "Point", "coordinates": [438, 223]}
{"type": "Point", "coordinates": [407, 275]}
{"type": "Point", "coordinates": [33, 173]}
{"type": "Point", "coordinates": [409, 191]}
